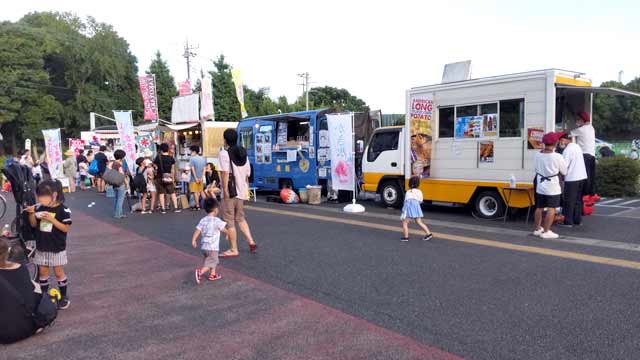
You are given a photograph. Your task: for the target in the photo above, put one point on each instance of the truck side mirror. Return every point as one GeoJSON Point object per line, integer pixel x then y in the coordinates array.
{"type": "Point", "coordinates": [360, 146]}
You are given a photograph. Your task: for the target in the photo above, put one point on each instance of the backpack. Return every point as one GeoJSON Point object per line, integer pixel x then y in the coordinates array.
{"type": "Point", "coordinates": [93, 167]}
{"type": "Point", "coordinates": [140, 182]}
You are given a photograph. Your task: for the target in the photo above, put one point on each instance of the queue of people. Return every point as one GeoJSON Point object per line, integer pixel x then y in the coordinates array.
{"type": "Point", "coordinates": [564, 177]}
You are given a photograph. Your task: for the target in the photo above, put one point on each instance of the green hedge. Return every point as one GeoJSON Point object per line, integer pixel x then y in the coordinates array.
{"type": "Point", "coordinates": [617, 176]}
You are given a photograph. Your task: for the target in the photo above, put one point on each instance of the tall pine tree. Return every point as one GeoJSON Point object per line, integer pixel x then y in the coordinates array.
{"type": "Point", "coordinates": [165, 86]}
{"type": "Point", "coordinates": [226, 103]}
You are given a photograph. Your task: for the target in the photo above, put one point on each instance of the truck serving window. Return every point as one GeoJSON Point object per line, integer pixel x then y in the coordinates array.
{"type": "Point", "coordinates": [445, 122]}
{"type": "Point", "coordinates": [246, 138]}
{"type": "Point", "coordinates": [511, 118]}
{"type": "Point", "coordinates": [382, 141]}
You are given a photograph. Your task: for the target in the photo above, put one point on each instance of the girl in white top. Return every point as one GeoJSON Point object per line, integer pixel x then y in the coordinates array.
{"type": "Point", "coordinates": [412, 210]}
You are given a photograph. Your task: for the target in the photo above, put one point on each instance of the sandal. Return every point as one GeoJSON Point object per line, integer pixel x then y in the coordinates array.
{"type": "Point", "coordinates": [228, 254]}
{"type": "Point", "coordinates": [214, 277]}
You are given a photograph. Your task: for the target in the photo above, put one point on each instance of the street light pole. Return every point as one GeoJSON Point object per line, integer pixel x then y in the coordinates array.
{"type": "Point", "coordinates": [305, 87]}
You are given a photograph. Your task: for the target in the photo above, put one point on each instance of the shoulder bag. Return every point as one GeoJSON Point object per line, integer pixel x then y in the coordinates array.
{"type": "Point", "coordinates": [166, 176]}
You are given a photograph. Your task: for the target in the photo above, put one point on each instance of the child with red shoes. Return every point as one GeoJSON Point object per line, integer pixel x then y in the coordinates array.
{"type": "Point", "coordinates": [208, 230]}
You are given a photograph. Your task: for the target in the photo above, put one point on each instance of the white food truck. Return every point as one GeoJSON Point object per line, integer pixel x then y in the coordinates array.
{"type": "Point", "coordinates": [472, 140]}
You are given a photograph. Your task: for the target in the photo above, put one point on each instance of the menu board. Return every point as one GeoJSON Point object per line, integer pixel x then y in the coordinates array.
{"type": "Point", "coordinates": [282, 133]}
{"type": "Point", "coordinates": [468, 127]}
{"type": "Point", "coordinates": [263, 148]}
{"type": "Point", "coordinates": [490, 125]}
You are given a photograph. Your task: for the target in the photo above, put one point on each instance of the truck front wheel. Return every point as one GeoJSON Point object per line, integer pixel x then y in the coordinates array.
{"type": "Point", "coordinates": [489, 205]}
{"type": "Point", "coordinates": [391, 194]}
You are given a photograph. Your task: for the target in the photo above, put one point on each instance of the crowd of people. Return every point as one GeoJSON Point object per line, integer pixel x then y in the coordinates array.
{"type": "Point", "coordinates": [219, 193]}
{"type": "Point", "coordinates": [565, 177]}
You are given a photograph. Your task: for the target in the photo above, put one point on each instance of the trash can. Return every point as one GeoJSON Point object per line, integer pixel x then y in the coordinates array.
{"type": "Point", "coordinates": [315, 194]}
{"type": "Point", "coordinates": [304, 195]}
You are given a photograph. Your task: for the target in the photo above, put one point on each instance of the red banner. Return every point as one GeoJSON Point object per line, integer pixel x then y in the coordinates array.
{"type": "Point", "coordinates": [148, 91]}
{"type": "Point", "coordinates": [184, 88]}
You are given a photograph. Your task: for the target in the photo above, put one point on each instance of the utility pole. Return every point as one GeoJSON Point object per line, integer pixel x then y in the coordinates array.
{"type": "Point", "coordinates": [305, 87]}
{"type": "Point", "coordinates": [620, 73]}
{"type": "Point", "coordinates": [188, 54]}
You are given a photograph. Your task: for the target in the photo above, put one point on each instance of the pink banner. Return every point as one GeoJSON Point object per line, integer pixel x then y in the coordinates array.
{"type": "Point", "coordinates": [76, 145]}
{"type": "Point", "coordinates": [184, 88]}
{"type": "Point", "coordinates": [148, 91]}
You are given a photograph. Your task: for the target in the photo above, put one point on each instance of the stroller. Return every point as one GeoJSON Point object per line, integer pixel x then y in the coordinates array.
{"type": "Point", "coordinates": [22, 234]}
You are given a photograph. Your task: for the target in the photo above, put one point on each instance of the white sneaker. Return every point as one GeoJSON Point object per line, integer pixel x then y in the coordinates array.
{"type": "Point", "coordinates": [549, 235]}
{"type": "Point", "coordinates": [538, 232]}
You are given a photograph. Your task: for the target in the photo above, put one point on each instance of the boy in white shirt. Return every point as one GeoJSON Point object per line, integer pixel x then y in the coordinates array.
{"type": "Point", "coordinates": [573, 182]}
{"type": "Point", "coordinates": [209, 228]}
{"type": "Point", "coordinates": [549, 165]}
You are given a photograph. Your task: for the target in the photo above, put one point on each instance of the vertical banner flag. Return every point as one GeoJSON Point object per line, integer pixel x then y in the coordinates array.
{"type": "Point", "coordinates": [149, 99]}
{"type": "Point", "coordinates": [206, 99]}
{"type": "Point", "coordinates": [184, 88]}
{"type": "Point", "coordinates": [54, 152]}
{"type": "Point", "coordinates": [76, 145]}
{"type": "Point", "coordinates": [237, 81]}
{"type": "Point", "coordinates": [127, 138]}
{"type": "Point", "coordinates": [341, 145]}
{"type": "Point", "coordinates": [185, 109]}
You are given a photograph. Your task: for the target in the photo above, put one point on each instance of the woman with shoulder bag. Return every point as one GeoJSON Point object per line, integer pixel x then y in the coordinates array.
{"type": "Point", "coordinates": [165, 178]}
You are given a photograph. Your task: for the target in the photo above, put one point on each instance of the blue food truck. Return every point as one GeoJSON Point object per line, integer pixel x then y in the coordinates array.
{"type": "Point", "coordinates": [287, 150]}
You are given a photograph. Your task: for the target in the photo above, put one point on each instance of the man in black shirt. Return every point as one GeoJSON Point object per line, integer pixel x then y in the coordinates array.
{"type": "Point", "coordinates": [102, 160]}
{"type": "Point", "coordinates": [166, 177]}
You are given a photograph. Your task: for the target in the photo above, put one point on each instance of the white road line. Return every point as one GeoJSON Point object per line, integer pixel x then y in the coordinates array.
{"type": "Point", "coordinates": [630, 202]}
{"type": "Point", "coordinates": [615, 206]}
{"type": "Point", "coordinates": [608, 201]}
{"type": "Point", "coordinates": [624, 212]}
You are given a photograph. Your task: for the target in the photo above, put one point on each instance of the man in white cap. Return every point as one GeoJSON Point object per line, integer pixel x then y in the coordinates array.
{"type": "Point", "coordinates": [585, 136]}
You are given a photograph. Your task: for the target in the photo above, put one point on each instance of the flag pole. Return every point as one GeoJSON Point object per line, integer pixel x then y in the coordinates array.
{"type": "Point", "coordinates": [354, 207]}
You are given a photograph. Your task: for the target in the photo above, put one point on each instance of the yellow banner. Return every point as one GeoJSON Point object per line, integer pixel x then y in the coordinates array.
{"type": "Point", "coordinates": [237, 82]}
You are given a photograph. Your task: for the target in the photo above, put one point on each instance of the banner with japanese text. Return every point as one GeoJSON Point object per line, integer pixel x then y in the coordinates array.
{"type": "Point", "coordinates": [149, 98]}
{"type": "Point", "coordinates": [237, 82]}
{"type": "Point", "coordinates": [53, 149]}
{"type": "Point", "coordinates": [206, 99]}
{"type": "Point", "coordinates": [76, 145]}
{"type": "Point", "coordinates": [124, 122]}
{"type": "Point", "coordinates": [420, 124]}
{"type": "Point", "coordinates": [341, 145]}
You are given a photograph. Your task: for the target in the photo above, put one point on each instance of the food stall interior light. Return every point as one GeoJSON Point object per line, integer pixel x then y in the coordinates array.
{"type": "Point", "coordinates": [190, 132]}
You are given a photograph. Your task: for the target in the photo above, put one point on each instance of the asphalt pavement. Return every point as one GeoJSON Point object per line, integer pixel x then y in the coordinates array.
{"type": "Point", "coordinates": [479, 290]}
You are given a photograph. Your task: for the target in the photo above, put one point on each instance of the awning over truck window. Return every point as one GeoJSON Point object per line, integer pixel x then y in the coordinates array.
{"type": "Point", "coordinates": [599, 90]}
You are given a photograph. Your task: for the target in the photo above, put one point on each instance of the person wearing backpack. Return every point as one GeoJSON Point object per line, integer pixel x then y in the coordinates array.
{"type": "Point", "coordinates": [140, 183]}
{"type": "Point", "coordinates": [101, 161]}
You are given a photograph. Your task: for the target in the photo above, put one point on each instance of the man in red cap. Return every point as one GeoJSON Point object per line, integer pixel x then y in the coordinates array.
{"type": "Point", "coordinates": [585, 136]}
{"type": "Point", "coordinates": [549, 165]}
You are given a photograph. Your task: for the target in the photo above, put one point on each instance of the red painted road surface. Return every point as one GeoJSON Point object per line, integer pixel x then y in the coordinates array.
{"type": "Point", "coordinates": [135, 298]}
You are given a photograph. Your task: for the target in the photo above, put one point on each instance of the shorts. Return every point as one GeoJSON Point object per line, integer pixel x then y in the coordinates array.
{"type": "Point", "coordinates": [165, 188]}
{"type": "Point", "coordinates": [233, 211]}
{"type": "Point", "coordinates": [195, 187]}
{"type": "Point", "coordinates": [46, 258]}
{"type": "Point", "coordinates": [83, 178]}
{"type": "Point", "coordinates": [547, 201]}
{"type": "Point", "coordinates": [210, 259]}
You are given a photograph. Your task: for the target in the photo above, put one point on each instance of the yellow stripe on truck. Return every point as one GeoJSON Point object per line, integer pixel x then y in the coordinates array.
{"type": "Point", "coordinates": [461, 191]}
{"type": "Point", "coordinates": [563, 80]}
{"type": "Point", "coordinates": [371, 181]}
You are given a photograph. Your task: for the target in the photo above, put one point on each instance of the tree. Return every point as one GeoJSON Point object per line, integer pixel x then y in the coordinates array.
{"type": "Point", "coordinates": [617, 116]}
{"type": "Point", "coordinates": [165, 85]}
{"type": "Point", "coordinates": [26, 106]}
{"type": "Point", "coordinates": [227, 107]}
{"type": "Point", "coordinates": [331, 97]}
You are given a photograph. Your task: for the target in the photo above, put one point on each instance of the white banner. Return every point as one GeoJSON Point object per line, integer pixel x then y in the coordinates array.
{"type": "Point", "coordinates": [54, 152]}
{"type": "Point", "coordinates": [206, 99]}
{"type": "Point", "coordinates": [341, 141]}
{"type": "Point", "coordinates": [185, 109]}
{"type": "Point", "coordinates": [127, 137]}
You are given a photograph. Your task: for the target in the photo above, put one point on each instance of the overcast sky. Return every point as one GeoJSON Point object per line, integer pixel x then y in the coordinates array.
{"type": "Point", "coordinates": [375, 49]}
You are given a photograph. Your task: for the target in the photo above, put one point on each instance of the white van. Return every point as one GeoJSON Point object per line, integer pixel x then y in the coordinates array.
{"type": "Point", "coordinates": [468, 140]}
